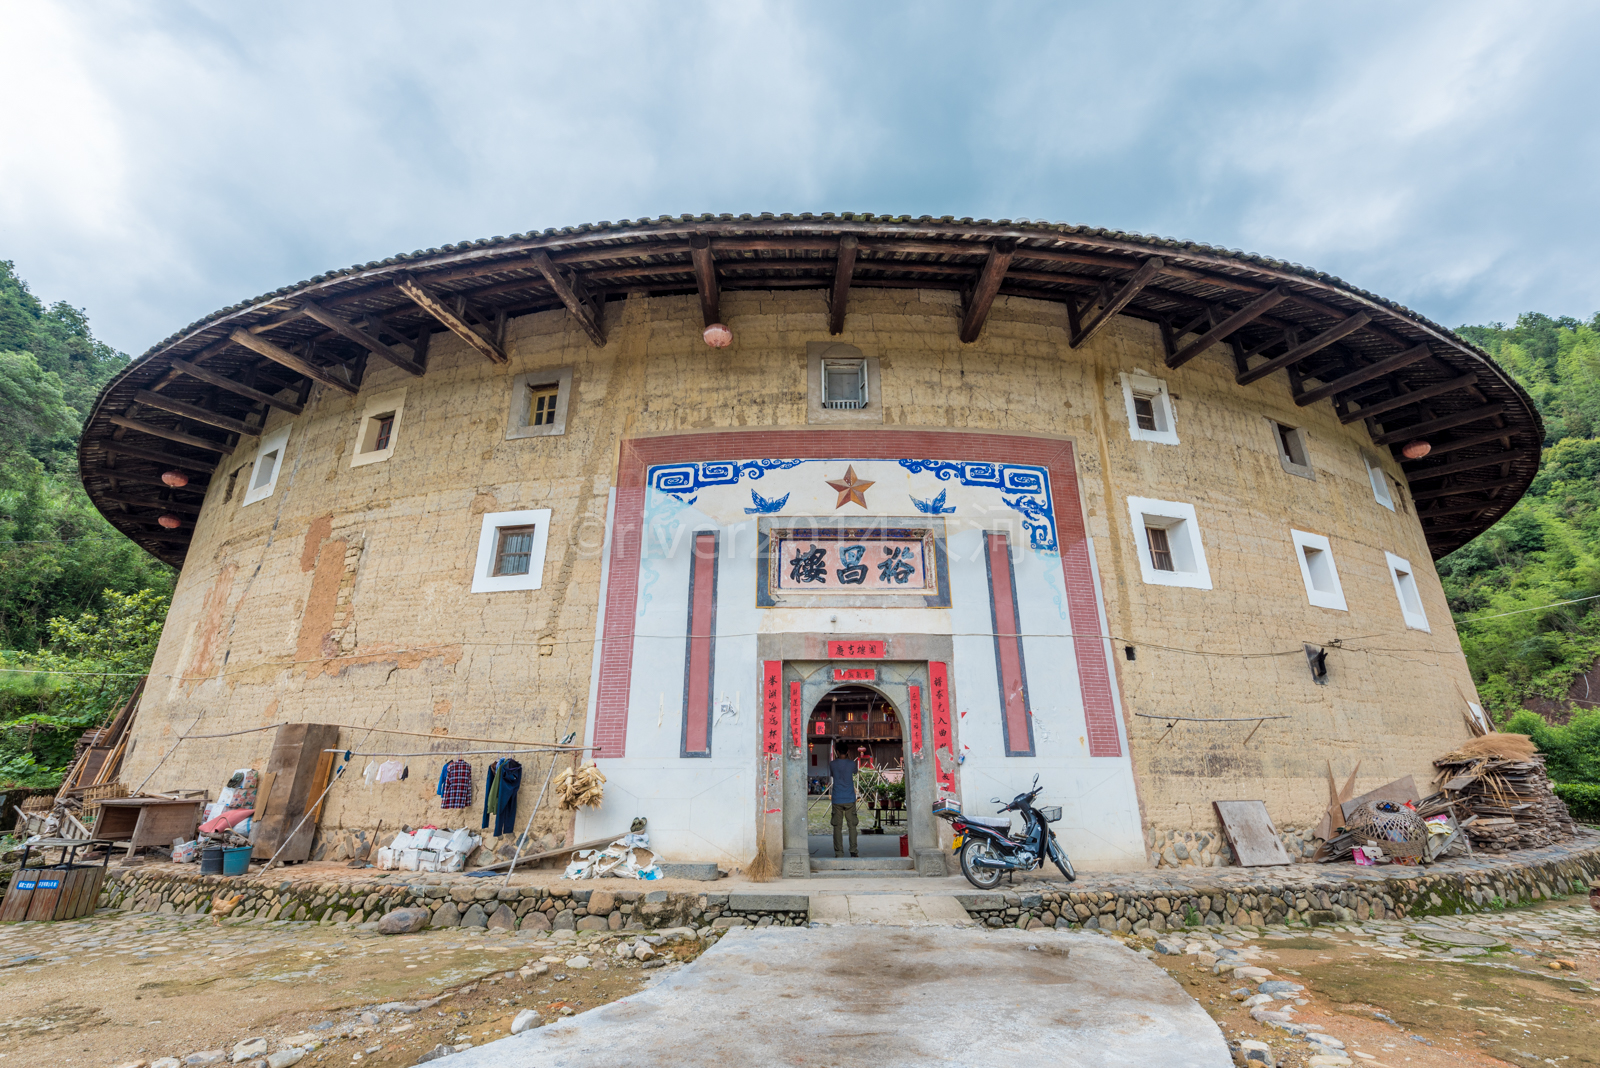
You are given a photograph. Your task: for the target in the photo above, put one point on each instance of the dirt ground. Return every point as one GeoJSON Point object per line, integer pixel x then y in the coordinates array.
{"type": "Point", "coordinates": [1405, 1001]}
{"type": "Point", "coordinates": [123, 987]}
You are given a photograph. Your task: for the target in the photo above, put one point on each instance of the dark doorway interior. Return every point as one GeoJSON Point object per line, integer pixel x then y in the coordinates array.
{"type": "Point", "coordinates": [870, 728]}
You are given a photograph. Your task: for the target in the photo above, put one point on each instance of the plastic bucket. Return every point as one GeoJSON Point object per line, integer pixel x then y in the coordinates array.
{"type": "Point", "coordinates": [236, 861]}
{"type": "Point", "coordinates": [211, 860]}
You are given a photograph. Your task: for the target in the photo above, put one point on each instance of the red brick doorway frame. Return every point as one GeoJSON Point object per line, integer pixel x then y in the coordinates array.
{"type": "Point", "coordinates": [638, 455]}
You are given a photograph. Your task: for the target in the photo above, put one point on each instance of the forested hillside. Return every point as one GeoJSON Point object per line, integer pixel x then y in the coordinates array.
{"type": "Point", "coordinates": [77, 599]}
{"type": "Point", "coordinates": [1546, 550]}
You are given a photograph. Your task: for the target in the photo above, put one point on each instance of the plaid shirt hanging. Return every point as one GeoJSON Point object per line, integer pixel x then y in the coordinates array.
{"type": "Point", "coordinates": [455, 784]}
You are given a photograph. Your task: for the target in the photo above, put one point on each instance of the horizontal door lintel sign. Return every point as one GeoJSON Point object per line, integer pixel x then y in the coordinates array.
{"type": "Point", "coordinates": [855, 674]}
{"type": "Point", "coordinates": [637, 456]}
{"type": "Point", "coordinates": [858, 650]}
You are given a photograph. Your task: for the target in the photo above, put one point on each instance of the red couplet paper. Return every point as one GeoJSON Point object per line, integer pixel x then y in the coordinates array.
{"type": "Point", "coordinates": [772, 701]}
{"type": "Point", "coordinates": [914, 714]}
{"type": "Point", "coordinates": [855, 674]}
{"type": "Point", "coordinates": [943, 740]}
{"type": "Point", "coordinates": [794, 712]}
{"type": "Point", "coordinates": [858, 650]}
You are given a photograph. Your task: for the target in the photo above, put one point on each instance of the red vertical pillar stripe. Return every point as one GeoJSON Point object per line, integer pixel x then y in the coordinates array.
{"type": "Point", "coordinates": [1015, 718]}
{"type": "Point", "coordinates": [772, 707]}
{"type": "Point", "coordinates": [699, 656]}
{"type": "Point", "coordinates": [914, 714]}
{"type": "Point", "coordinates": [795, 730]}
{"type": "Point", "coordinates": [943, 737]}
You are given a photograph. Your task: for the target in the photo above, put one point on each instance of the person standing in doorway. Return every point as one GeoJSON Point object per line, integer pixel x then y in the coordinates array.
{"type": "Point", "coordinates": [843, 772]}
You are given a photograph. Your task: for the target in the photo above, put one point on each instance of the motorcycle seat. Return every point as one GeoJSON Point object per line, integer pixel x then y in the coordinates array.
{"type": "Point", "coordinates": [997, 823]}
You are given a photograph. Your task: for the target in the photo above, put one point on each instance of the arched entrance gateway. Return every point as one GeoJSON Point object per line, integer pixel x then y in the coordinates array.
{"type": "Point", "coordinates": [881, 710]}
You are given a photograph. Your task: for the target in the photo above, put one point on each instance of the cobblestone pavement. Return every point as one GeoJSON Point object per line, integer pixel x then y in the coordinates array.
{"type": "Point", "coordinates": [1517, 986]}
{"type": "Point", "coordinates": [128, 988]}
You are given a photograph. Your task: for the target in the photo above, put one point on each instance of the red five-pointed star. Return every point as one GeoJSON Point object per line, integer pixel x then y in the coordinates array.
{"type": "Point", "coordinates": [851, 489]}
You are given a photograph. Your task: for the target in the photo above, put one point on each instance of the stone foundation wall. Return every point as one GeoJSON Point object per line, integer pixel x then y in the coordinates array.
{"type": "Point", "coordinates": [1329, 900]}
{"type": "Point", "coordinates": [1210, 849]}
{"type": "Point", "coordinates": [460, 903]}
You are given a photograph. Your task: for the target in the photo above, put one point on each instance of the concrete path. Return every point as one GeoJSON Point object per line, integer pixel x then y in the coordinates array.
{"type": "Point", "coordinates": [883, 997]}
{"type": "Point", "coordinates": [892, 910]}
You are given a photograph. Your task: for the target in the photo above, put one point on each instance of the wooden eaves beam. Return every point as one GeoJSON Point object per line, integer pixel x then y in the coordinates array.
{"type": "Point", "coordinates": [1463, 509]}
{"type": "Point", "coordinates": [1457, 444]}
{"type": "Point", "coordinates": [205, 467]}
{"type": "Point", "coordinates": [983, 291]}
{"type": "Point", "coordinates": [584, 313]}
{"type": "Point", "coordinates": [1130, 289]}
{"type": "Point", "coordinates": [1364, 375]}
{"type": "Point", "coordinates": [123, 475]}
{"type": "Point", "coordinates": [1460, 491]}
{"type": "Point", "coordinates": [196, 413]}
{"type": "Point", "coordinates": [1433, 426]}
{"type": "Point", "coordinates": [147, 502]}
{"type": "Point", "coordinates": [263, 347]}
{"type": "Point", "coordinates": [347, 329]}
{"type": "Point", "coordinates": [705, 279]}
{"type": "Point", "coordinates": [171, 435]}
{"type": "Point", "coordinates": [1245, 315]}
{"type": "Point", "coordinates": [1377, 408]}
{"type": "Point", "coordinates": [212, 378]}
{"type": "Point", "coordinates": [1310, 346]}
{"type": "Point", "coordinates": [1423, 474]}
{"type": "Point", "coordinates": [844, 268]}
{"type": "Point", "coordinates": [431, 303]}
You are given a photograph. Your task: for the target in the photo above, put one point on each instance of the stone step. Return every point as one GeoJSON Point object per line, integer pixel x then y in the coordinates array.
{"type": "Point", "coordinates": [862, 864]}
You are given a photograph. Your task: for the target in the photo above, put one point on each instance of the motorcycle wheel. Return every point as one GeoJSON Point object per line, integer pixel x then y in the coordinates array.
{"type": "Point", "coordinates": [1059, 855]}
{"type": "Point", "coordinates": [982, 878]}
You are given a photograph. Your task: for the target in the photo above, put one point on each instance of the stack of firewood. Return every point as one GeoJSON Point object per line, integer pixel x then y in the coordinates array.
{"type": "Point", "coordinates": [1496, 786]}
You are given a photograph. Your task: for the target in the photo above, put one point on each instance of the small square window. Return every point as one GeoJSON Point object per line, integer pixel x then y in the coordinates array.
{"type": "Point", "coordinates": [1405, 588]}
{"type": "Point", "coordinates": [511, 551]}
{"type": "Point", "coordinates": [1149, 409]}
{"type": "Point", "coordinates": [268, 465]}
{"type": "Point", "coordinates": [514, 548]}
{"type": "Point", "coordinates": [1170, 551]}
{"type": "Point", "coordinates": [540, 403]}
{"type": "Point", "coordinates": [379, 428]}
{"type": "Point", "coordinates": [1292, 452]}
{"type": "Point", "coordinates": [1379, 480]}
{"type": "Point", "coordinates": [1317, 570]}
{"type": "Point", "coordinates": [844, 384]}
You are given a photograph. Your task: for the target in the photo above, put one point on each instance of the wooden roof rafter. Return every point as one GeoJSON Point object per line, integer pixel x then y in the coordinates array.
{"type": "Point", "coordinates": [1195, 291]}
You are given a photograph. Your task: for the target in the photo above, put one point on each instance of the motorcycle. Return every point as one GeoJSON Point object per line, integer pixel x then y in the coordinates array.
{"type": "Point", "coordinates": [988, 849]}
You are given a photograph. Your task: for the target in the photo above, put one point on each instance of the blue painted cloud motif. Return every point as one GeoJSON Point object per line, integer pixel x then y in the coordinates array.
{"type": "Point", "coordinates": [763, 506]}
{"type": "Point", "coordinates": [934, 506]}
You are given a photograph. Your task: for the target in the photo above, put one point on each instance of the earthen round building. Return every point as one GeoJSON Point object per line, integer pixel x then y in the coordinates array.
{"type": "Point", "coordinates": [985, 500]}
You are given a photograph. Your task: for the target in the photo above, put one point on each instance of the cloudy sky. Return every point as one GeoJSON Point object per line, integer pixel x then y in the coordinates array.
{"type": "Point", "coordinates": [161, 160]}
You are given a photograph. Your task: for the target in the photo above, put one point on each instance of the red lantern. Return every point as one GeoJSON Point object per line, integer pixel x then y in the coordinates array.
{"type": "Point", "coordinates": [1416, 450]}
{"type": "Point", "coordinates": [718, 336]}
{"type": "Point", "coordinates": [175, 479]}
{"type": "Point", "coordinates": [170, 521]}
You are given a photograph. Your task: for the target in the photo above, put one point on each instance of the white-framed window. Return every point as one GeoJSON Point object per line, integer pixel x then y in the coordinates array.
{"type": "Point", "coordinates": [539, 402]}
{"type": "Point", "coordinates": [844, 384]}
{"type": "Point", "coordinates": [1379, 479]}
{"type": "Point", "coordinates": [1290, 442]}
{"type": "Point", "coordinates": [1167, 537]}
{"type": "Point", "coordinates": [379, 428]}
{"type": "Point", "coordinates": [1149, 409]}
{"type": "Point", "coordinates": [268, 462]}
{"type": "Point", "coordinates": [1405, 588]}
{"type": "Point", "coordinates": [1318, 570]}
{"type": "Point", "coordinates": [511, 547]}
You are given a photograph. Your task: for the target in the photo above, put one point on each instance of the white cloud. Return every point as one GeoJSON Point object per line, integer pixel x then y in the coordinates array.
{"type": "Point", "coordinates": [162, 162]}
